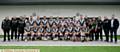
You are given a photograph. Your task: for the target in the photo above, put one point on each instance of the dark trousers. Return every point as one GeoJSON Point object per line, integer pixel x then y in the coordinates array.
{"type": "Point", "coordinates": [14, 33]}
{"type": "Point", "coordinates": [93, 35]}
{"type": "Point", "coordinates": [99, 34]}
{"type": "Point", "coordinates": [20, 34]}
{"type": "Point", "coordinates": [113, 32]}
{"type": "Point", "coordinates": [106, 31]}
{"type": "Point", "coordinates": [29, 36]}
{"type": "Point", "coordinates": [6, 32]}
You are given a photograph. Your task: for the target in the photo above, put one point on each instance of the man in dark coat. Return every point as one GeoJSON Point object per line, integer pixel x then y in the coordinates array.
{"type": "Point", "coordinates": [21, 25]}
{"type": "Point", "coordinates": [99, 28]}
{"type": "Point", "coordinates": [14, 26]}
{"type": "Point", "coordinates": [106, 28]}
{"type": "Point", "coordinates": [114, 24]}
{"type": "Point", "coordinates": [6, 28]}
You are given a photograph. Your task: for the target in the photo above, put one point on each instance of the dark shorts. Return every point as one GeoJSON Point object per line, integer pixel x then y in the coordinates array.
{"type": "Point", "coordinates": [56, 35]}
{"type": "Point", "coordinates": [28, 35]}
{"type": "Point", "coordinates": [50, 35]}
{"type": "Point", "coordinates": [35, 35]}
{"type": "Point", "coordinates": [70, 35]}
{"type": "Point", "coordinates": [87, 35]}
{"type": "Point", "coordinates": [77, 35]}
{"type": "Point", "coordinates": [21, 30]}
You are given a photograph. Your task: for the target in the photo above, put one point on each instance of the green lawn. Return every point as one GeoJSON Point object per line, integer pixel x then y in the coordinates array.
{"type": "Point", "coordinates": [68, 48]}
{"type": "Point", "coordinates": [118, 37]}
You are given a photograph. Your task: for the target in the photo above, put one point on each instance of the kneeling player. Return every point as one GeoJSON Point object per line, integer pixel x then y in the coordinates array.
{"type": "Point", "coordinates": [76, 33]}
{"type": "Point", "coordinates": [84, 34]}
{"type": "Point", "coordinates": [61, 33]}
{"type": "Point", "coordinates": [44, 36]}
{"type": "Point", "coordinates": [66, 35]}
{"type": "Point", "coordinates": [48, 33]}
{"type": "Point", "coordinates": [41, 31]}
{"type": "Point", "coordinates": [55, 33]}
{"type": "Point", "coordinates": [34, 32]}
{"type": "Point", "coordinates": [27, 33]}
{"type": "Point", "coordinates": [87, 34]}
{"type": "Point", "coordinates": [70, 33]}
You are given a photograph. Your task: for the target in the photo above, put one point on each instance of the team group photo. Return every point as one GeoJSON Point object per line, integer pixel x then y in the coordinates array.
{"type": "Point", "coordinates": [64, 26]}
{"type": "Point", "coordinates": [76, 28]}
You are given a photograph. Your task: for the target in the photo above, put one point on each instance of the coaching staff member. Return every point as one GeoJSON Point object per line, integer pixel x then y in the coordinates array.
{"type": "Point", "coordinates": [21, 25]}
{"type": "Point", "coordinates": [6, 28]}
{"type": "Point", "coordinates": [99, 28]}
{"type": "Point", "coordinates": [14, 25]}
{"type": "Point", "coordinates": [106, 28]}
{"type": "Point", "coordinates": [113, 28]}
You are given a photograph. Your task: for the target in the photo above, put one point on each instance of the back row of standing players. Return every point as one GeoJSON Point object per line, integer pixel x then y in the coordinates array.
{"type": "Point", "coordinates": [49, 28]}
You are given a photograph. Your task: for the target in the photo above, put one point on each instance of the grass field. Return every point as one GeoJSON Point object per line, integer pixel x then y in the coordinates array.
{"type": "Point", "coordinates": [68, 48]}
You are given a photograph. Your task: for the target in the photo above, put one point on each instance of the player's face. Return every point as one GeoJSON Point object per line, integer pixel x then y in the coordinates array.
{"type": "Point", "coordinates": [93, 19]}
{"type": "Point", "coordinates": [105, 17]}
{"type": "Point", "coordinates": [6, 18]}
{"type": "Point", "coordinates": [113, 17]}
{"type": "Point", "coordinates": [44, 17]}
{"type": "Point", "coordinates": [99, 17]}
{"type": "Point", "coordinates": [81, 16]}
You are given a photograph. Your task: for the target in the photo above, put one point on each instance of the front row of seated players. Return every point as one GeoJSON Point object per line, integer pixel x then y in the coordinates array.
{"type": "Point", "coordinates": [54, 33]}
{"type": "Point", "coordinates": [55, 29]}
